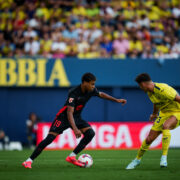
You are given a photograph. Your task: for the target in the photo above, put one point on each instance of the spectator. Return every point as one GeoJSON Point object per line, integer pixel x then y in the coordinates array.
{"type": "Point", "coordinates": [104, 53]}
{"type": "Point", "coordinates": [31, 46]}
{"type": "Point", "coordinates": [31, 124]}
{"type": "Point", "coordinates": [71, 33]}
{"type": "Point", "coordinates": [59, 44]}
{"type": "Point", "coordinates": [95, 33]}
{"type": "Point", "coordinates": [147, 53]}
{"type": "Point", "coordinates": [136, 45]}
{"type": "Point", "coordinates": [107, 45]}
{"type": "Point", "coordinates": [175, 46]}
{"type": "Point", "coordinates": [157, 35]}
{"type": "Point", "coordinates": [71, 49]}
{"type": "Point", "coordinates": [45, 45]}
{"type": "Point", "coordinates": [4, 139]}
{"type": "Point", "coordinates": [121, 45]}
{"type": "Point", "coordinates": [176, 11]}
{"type": "Point", "coordinates": [143, 21]}
{"type": "Point", "coordinates": [19, 39]}
{"type": "Point", "coordinates": [30, 10]}
{"type": "Point", "coordinates": [30, 33]}
{"type": "Point", "coordinates": [82, 45]}
{"type": "Point", "coordinates": [33, 22]}
{"type": "Point", "coordinates": [92, 10]}
{"type": "Point", "coordinates": [132, 24]}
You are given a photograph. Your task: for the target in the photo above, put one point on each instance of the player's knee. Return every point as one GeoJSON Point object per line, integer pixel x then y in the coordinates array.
{"type": "Point", "coordinates": [149, 140]}
{"type": "Point", "coordinates": [48, 140]}
{"type": "Point", "coordinates": [165, 126]}
{"type": "Point", "coordinates": [90, 133]}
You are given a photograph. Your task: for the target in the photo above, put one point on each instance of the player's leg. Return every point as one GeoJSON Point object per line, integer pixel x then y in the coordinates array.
{"type": "Point", "coordinates": [88, 133]}
{"type": "Point", "coordinates": [88, 136]}
{"type": "Point", "coordinates": [41, 146]}
{"type": "Point", "coordinates": [168, 125]}
{"type": "Point", "coordinates": [147, 142]}
{"type": "Point", "coordinates": [57, 127]}
{"type": "Point", "coordinates": [144, 147]}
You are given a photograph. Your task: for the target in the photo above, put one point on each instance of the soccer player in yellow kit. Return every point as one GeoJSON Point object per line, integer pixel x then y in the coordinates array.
{"type": "Point", "coordinates": [166, 116]}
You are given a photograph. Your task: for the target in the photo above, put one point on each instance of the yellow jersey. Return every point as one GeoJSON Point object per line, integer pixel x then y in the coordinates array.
{"type": "Point", "coordinates": [163, 97]}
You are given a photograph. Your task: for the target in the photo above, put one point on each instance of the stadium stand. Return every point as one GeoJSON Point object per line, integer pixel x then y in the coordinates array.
{"type": "Point", "coordinates": [90, 28]}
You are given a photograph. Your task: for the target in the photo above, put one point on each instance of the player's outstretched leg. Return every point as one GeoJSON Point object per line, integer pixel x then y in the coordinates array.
{"type": "Point", "coordinates": [49, 139]}
{"type": "Point", "coordinates": [88, 135]}
{"type": "Point", "coordinates": [144, 147]}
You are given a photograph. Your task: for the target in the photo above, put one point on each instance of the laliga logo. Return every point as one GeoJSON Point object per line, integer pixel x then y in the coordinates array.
{"type": "Point", "coordinates": [108, 135]}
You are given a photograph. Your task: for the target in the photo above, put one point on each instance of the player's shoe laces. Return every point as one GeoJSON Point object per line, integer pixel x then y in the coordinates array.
{"type": "Point", "coordinates": [73, 160]}
{"type": "Point", "coordinates": [133, 164]}
{"type": "Point", "coordinates": [27, 164]}
{"type": "Point", "coordinates": [163, 162]}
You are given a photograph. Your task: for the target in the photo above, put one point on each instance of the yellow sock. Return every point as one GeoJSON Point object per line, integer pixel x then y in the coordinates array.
{"type": "Point", "coordinates": [166, 141]}
{"type": "Point", "coordinates": [144, 147]}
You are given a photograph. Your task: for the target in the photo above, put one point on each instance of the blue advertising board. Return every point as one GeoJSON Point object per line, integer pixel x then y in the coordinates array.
{"type": "Point", "coordinates": [68, 72]}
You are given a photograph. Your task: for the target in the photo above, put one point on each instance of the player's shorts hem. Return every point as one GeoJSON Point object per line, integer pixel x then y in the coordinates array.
{"type": "Point", "coordinates": [158, 124]}
{"type": "Point", "coordinates": [154, 129]}
{"type": "Point", "coordinates": [55, 132]}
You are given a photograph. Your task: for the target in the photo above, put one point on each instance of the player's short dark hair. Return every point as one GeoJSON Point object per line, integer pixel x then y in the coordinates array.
{"type": "Point", "coordinates": [143, 77]}
{"type": "Point", "coordinates": [87, 77]}
{"type": "Point", "coordinates": [31, 114]}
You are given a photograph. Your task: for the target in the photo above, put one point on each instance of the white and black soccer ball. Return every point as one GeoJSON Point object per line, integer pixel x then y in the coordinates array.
{"type": "Point", "coordinates": [86, 158]}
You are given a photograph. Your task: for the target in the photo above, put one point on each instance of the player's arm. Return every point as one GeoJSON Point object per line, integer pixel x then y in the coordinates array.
{"type": "Point", "coordinates": [108, 97]}
{"type": "Point", "coordinates": [177, 98]}
{"type": "Point", "coordinates": [70, 111]}
{"type": "Point", "coordinates": [154, 115]}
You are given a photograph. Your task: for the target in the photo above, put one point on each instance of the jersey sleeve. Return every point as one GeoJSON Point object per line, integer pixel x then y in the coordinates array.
{"type": "Point", "coordinates": [95, 92]}
{"type": "Point", "coordinates": [168, 93]}
{"type": "Point", "coordinates": [71, 100]}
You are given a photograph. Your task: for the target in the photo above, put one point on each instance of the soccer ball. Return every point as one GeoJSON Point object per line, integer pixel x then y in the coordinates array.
{"type": "Point", "coordinates": [86, 158]}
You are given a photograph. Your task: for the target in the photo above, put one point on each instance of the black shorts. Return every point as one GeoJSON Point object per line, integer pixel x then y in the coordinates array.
{"type": "Point", "coordinates": [61, 123]}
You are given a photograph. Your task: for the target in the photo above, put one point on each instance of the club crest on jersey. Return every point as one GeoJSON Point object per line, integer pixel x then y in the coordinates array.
{"type": "Point", "coordinates": [71, 100]}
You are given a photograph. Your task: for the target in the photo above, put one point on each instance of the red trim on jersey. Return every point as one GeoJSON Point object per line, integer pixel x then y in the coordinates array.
{"type": "Point", "coordinates": [78, 108]}
{"type": "Point", "coordinates": [61, 110]}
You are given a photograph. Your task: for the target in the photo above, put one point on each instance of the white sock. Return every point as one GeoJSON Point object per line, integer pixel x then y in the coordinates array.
{"type": "Point", "coordinates": [72, 154]}
{"type": "Point", "coordinates": [29, 159]}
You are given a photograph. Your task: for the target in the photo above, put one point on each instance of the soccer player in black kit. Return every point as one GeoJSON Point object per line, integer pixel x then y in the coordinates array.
{"type": "Point", "coordinates": [70, 117]}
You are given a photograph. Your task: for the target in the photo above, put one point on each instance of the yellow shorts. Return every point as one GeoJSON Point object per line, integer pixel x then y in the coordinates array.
{"type": "Point", "coordinates": [158, 123]}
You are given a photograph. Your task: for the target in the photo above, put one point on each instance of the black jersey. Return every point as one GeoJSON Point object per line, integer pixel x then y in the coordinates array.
{"type": "Point", "coordinates": [77, 99]}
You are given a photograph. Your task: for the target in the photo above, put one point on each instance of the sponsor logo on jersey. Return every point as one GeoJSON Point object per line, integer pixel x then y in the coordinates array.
{"type": "Point", "coordinates": [71, 100]}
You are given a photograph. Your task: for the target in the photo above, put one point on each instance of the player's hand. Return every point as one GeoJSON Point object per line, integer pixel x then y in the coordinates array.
{"type": "Point", "coordinates": [123, 101]}
{"type": "Point", "coordinates": [77, 133]}
{"type": "Point", "coordinates": [153, 117]}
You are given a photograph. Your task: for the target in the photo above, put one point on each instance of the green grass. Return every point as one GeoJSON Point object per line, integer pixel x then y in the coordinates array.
{"type": "Point", "coordinates": [108, 165]}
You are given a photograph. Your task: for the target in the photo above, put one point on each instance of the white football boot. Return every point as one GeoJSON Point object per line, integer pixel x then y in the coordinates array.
{"type": "Point", "coordinates": [163, 162]}
{"type": "Point", "coordinates": [133, 164]}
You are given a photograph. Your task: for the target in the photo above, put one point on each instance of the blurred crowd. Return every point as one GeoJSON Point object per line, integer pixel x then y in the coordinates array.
{"type": "Point", "coordinates": [90, 28]}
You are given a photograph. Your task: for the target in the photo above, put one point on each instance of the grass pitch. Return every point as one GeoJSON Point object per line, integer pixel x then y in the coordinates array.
{"type": "Point", "coordinates": [108, 165]}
